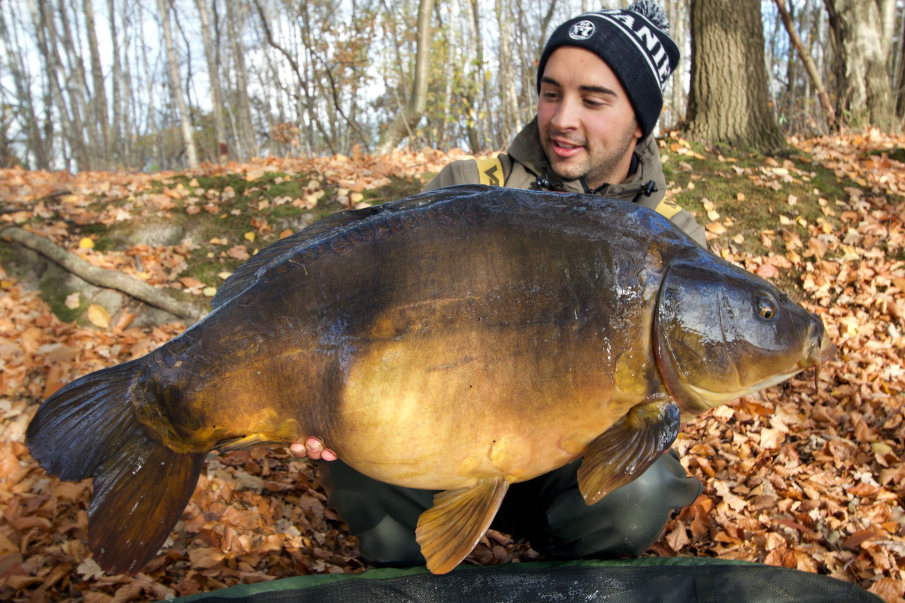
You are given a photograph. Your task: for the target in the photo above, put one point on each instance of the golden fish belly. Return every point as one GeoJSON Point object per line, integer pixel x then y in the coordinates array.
{"type": "Point", "coordinates": [449, 411]}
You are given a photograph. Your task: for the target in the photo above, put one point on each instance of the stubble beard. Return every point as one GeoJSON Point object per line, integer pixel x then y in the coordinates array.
{"type": "Point", "coordinates": [597, 168]}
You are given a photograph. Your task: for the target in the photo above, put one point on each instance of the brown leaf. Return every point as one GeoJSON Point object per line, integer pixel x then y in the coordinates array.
{"type": "Point", "coordinates": [205, 558]}
{"type": "Point", "coordinates": [854, 541]}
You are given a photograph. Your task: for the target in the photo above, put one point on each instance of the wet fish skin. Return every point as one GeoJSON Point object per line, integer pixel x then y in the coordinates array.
{"type": "Point", "coordinates": [459, 340]}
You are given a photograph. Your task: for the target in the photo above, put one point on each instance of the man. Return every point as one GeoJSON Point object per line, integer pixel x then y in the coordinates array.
{"type": "Point", "coordinates": [599, 96]}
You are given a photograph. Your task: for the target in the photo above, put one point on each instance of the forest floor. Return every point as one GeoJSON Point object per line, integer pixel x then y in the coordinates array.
{"type": "Point", "coordinates": [801, 476]}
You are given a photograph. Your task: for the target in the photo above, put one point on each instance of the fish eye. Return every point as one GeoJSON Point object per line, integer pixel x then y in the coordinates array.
{"type": "Point", "coordinates": [765, 307]}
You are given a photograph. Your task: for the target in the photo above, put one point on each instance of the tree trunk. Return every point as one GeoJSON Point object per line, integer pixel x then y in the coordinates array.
{"type": "Point", "coordinates": [49, 55]}
{"type": "Point", "coordinates": [244, 123]}
{"type": "Point", "coordinates": [900, 78]}
{"type": "Point", "coordinates": [825, 104]}
{"type": "Point", "coordinates": [510, 118]}
{"type": "Point", "coordinates": [188, 135]}
{"type": "Point", "coordinates": [37, 146]}
{"type": "Point", "coordinates": [728, 101]}
{"type": "Point", "coordinates": [213, 76]}
{"type": "Point", "coordinates": [862, 42]}
{"type": "Point", "coordinates": [118, 134]}
{"type": "Point", "coordinates": [409, 117]}
{"type": "Point", "coordinates": [77, 89]}
{"type": "Point", "coordinates": [99, 92]}
{"type": "Point", "coordinates": [676, 101]}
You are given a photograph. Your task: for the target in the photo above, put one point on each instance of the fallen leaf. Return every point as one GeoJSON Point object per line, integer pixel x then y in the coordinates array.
{"type": "Point", "coordinates": [98, 316]}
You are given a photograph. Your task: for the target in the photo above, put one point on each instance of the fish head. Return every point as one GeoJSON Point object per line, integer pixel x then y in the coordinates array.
{"type": "Point", "coordinates": [722, 332]}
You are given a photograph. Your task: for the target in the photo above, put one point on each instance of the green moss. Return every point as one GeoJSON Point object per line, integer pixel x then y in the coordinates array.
{"type": "Point", "coordinates": [55, 297]}
{"type": "Point", "coordinates": [398, 188]}
{"type": "Point", "coordinates": [895, 153]}
{"type": "Point", "coordinates": [753, 191]}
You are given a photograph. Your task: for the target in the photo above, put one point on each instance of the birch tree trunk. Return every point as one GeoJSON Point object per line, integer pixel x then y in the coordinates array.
{"type": "Point", "coordinates": [38, 143]}
{"type": "Point", "coordinates": [674, 112]}
{"type": "Point", "coordinates": [188, 135]}
{"type": "Point", "coordinates": [213, 76]}
{"type": "Point", "coordinates": [900, 78]}
{"type": "Point", "coordinates": [77, 90]}
{"type": "Point", "coordinates": [408, 118]}
{"type": "Point", "coordinates": [99, 92]}
{"type": "Point", "coordinates": [49, 56]}
{"type": "Point", "coordinates": [244, 123]}
{"type": "Point", "coordinates": [118, 133]}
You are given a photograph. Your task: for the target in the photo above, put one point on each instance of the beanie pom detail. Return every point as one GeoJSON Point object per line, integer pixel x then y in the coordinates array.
{"type": "Point", "coordinates": [652, 12]}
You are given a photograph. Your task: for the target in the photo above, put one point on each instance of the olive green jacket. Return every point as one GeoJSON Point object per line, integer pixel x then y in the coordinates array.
{"type": "Point", "coordinates": [525, 165]}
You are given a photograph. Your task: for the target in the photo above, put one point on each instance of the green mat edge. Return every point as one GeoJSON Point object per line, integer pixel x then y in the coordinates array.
{"type": "Point", "coordinates": [301, 582]}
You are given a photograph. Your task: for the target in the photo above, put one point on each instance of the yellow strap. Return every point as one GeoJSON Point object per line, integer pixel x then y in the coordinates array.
{"type": "Point", "coordinates": [667, 208]}
{"type": "Point", "coordinates": [490, 171]}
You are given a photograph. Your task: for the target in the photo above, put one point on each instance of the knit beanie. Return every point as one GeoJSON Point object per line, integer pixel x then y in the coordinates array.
{"type": "Point", "coordinates": [634, 42]}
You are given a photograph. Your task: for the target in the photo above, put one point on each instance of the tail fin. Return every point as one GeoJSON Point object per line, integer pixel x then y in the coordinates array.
{"type": "Point", "coordinates": [88, 429]}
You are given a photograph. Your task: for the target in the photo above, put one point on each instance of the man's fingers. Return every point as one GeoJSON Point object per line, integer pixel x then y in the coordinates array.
{"type": "Point", "coordinates": [298, 449]}
{"type": "Point", "coordinates": [313, 448]}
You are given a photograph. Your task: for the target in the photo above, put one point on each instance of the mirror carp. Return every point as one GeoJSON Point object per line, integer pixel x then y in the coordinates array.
{"type": "Point", "coordinates": [458, 340]}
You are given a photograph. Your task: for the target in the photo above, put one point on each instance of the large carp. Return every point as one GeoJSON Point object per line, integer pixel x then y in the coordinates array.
{"type": "Point", "coordinates": [458, 340]}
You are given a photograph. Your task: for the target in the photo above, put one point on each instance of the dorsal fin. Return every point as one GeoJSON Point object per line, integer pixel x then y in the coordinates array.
{"type": "Point", "coordinates": [247, 274]}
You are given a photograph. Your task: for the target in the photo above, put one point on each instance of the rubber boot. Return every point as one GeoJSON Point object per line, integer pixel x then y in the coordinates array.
{"type": "Point", "coordinates": [548, 511]}
{"type": "Point", "coordinates": [625, 522]}
{"type": "Point", "coordinates": [382, 516]}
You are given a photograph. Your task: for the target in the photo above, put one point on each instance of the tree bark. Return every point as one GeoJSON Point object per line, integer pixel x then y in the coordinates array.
{"type": "Point", "coordinates": [102, 277]}
{"type": "Point", "coordinates": [862, 43]}
{"type": "Point", "coordinates": [70, 127]}
{"type": "Point", "coordinates": [118, 133]}
{"type": "Point", "coordinates": [728, 101]}
{"type": "Point", "coordinates": [37, 145]}
{"type": "Point", "coordinates": [244, 124]}
{"type": "Point", "coordinates": [511, 120]}
{"type": "Point", "coordinates": [900, 78]}
{"type": "Point", "coordinates": [185, 121]}
{"type": "Point", "coordinates": [825, 103]}
{"type": "Point", "coordinates": [675, 102]}
{"type": "Point", "coordinates": [78, 91]}
{"type": "Point", "coordinates": [98, 90]}
{"type": "Point", "coordinates": [409, 117]}
{"type": "Point", "coordinates": [213, 76]}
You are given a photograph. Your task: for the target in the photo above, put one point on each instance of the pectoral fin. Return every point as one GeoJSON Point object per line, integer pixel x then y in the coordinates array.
{"type": "Point", "coordinates": [448, 531]}
{"type": "Point", "coordinates": [627, 449]}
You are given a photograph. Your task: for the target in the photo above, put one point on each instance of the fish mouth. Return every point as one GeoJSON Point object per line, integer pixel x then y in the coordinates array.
{"type": "Point", "coordinates": [822, 349]}
{"type": "Point", "coordinates": [827, 349]}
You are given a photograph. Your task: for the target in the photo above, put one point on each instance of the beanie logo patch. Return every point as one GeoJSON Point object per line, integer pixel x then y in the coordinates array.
{"type": "Point", "coordinates": [582, 30]}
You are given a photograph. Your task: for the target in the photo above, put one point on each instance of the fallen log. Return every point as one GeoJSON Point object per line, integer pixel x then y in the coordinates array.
{"type": "Point", "coordinates": [103, 277]}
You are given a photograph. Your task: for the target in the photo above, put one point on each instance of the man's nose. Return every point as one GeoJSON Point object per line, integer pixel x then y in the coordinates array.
{"type": "Point", "coordinates": [566, 116]}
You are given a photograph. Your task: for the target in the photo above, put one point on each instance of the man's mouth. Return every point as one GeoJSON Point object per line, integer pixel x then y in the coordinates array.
{"type": "Point", "coordinates": [565, 149]}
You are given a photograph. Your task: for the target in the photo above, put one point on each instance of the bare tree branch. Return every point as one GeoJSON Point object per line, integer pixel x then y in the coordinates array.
{"type": "Point", "coordinates": [102, 277]}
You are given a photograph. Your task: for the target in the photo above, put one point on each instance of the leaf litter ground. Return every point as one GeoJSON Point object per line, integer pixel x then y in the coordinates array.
{"type": "Point", "coordinates": [807, 475]}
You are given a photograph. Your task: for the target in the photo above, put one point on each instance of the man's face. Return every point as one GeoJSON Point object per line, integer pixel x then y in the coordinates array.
{"type": "Point", "coordinates": [587, 124]}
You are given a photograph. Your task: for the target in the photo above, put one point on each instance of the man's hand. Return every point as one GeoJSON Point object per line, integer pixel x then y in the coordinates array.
{"type": "Point", "coordinates": [313, 448]}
